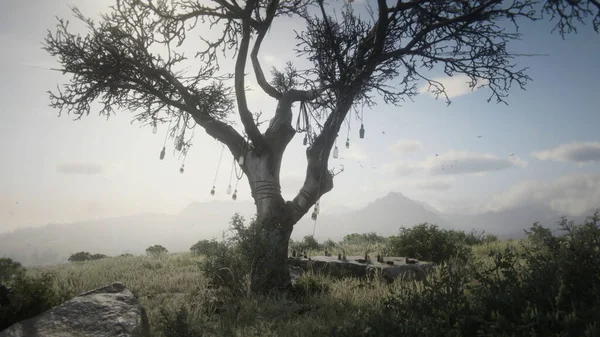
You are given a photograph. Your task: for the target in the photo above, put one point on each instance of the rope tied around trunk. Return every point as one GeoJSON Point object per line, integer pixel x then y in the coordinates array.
{"type": "Point", "coordinates": [263, 189]}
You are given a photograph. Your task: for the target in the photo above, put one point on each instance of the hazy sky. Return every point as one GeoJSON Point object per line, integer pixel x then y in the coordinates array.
{"type": "Point", "coordinates": [59, 170]}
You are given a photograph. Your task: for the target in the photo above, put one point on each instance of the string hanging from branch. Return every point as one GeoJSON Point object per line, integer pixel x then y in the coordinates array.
{"type": "Point", "coordinates": [348, 134]}
{"type": "Point", "coordinates": [212, 192]}
{"type": "Point", "coordinates": [361, 132]}
{"type": "Point", "coordinates": [238, 177]}
{"type": "Point", "coordinates": [231, 176]}
{"type": "Point", "coordinates": [303, 122]}
{"type": "Point", "coordinates": [164, 149]}
{"type": "Point", "coordinates": [185, 152]}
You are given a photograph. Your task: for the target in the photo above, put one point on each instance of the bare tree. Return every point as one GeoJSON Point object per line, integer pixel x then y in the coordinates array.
{"type": "Point", "coordinates": [354, 60]}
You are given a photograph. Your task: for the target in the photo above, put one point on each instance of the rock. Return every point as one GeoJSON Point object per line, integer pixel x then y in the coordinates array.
{"type": "Point", "coordinates": [356, 266]}
{"type": "Point", "coordinates": [108, 311]}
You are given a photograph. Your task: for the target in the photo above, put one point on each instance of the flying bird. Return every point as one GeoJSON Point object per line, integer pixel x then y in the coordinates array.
{"type": "Point", "coordinates": [512, 154]}
{"type": "Point", "coordinates": [436, 154]}
{"type": "Point", "coordinates": [383, 132]}
{"type": "Point", "coordinates": [479, 136]}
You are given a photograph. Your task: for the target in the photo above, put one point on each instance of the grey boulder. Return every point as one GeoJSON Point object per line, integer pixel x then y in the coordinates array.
{"type": "Point", "coordinates": [104, 312]}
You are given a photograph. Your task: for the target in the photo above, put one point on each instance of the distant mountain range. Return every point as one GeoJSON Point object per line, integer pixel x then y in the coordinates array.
{"type": "Point", "coordinates": [54, 243]}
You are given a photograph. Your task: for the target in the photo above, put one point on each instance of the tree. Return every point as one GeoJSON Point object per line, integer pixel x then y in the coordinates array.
{"type": "Point", "coordinates": [156, 250]}
{"type": "Point", "coordinates": [80, 256]}
{"type": "Point", "coordinates": [354, 61]}
{"type": "Point", "coordinates": [98, 257]}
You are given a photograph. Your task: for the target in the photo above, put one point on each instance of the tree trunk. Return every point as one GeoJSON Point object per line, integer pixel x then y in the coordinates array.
{"type": "Point", "coordinates": [270, 272]}
{"type": "Point", "coordinates": [273, 225]}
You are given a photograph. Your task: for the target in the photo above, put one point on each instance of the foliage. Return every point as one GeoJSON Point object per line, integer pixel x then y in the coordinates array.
{"type": "Point", "coordinates": [9, 269]}
{"type": "Point", "coordinates": [204, 247]}
{"type": "Point", "coordinates": [179, 324]}
{"type": "Point", "coordinates": [227, 265]}
{"type": "Point", "coordinates": [428, 242]}
{"type": "Point", "coordinates": [31, 296]}
{"type": "Point", "coordinates": [553, 289]}
{"type": "Point", "coordinates": [364, 238]}
{"type": "Point", "coordinates": [156, 250]}
{"type": "Point", "coordinates": [97, 257]}
{"type": "Point", "coordinates": [80, 257]}
{"type": "Point", "coordinates": [126, 255]}
{"type": "Point", "coordinates": [309, 285]}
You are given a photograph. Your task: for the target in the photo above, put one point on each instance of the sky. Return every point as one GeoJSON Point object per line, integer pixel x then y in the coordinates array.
{"type": "Point", "coordinates": [55, 169]}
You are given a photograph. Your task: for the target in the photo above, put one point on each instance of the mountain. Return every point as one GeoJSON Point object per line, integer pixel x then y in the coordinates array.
{"type": "Point", "coordinates": [384, 216]}
{"type": "Point", "coordinates": [54, 243]}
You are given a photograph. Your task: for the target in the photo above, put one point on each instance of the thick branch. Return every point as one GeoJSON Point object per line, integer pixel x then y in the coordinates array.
{"type": "Point", "coordinates": [262, 32]}
{"type": "Point", "coordinates": [240, 67]}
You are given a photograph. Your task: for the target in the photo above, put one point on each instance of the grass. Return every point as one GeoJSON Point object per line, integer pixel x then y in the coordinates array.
{"type": "Point", "coordinates": [172, 281]}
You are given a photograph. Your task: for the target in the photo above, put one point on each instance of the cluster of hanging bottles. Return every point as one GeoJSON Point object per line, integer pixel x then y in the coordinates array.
{"type": "Point", "coordinates": [180, 143]}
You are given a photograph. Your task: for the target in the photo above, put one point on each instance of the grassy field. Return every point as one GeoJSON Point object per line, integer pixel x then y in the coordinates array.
{"type": "Point", "coordinates": [175, 280]}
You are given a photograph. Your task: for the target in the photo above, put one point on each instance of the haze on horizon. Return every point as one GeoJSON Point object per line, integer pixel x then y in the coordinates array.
{"type": "Point", "coordinates": [541, 150]}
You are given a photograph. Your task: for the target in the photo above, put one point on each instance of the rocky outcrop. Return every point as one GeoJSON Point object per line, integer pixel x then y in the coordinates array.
{"type": "Point", "coordinates": [108, 311]}
{"type": "Point", "coordinates": [390, 269]}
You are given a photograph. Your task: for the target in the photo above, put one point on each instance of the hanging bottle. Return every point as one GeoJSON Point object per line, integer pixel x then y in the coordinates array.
{"type": "Point", "coordinates": [335, 152]}
{"type": "Point", "coordinates": [314, 216]}
{"type": "Point", "coordinates": [181, 169]}
{"type": "Point", "coordinates": [241, 160]}
{"type": "Point", "coordinates": [229, 189]}
{"type": "Point", "coordinates": [212, 192]}
{"type": "Point", "coordinates": [179, 143]}
{"type": "Point", "coordinates": [234, 196]}
{"type": "Point", "coordinates": [317, 208]}
{"type": "Point", "coordinates": [347, 143]}
{"type": "Point", "coordinates": [154, 127]}
{"type": "Point", "coordinates": [361, 132]}
{"type": "Point", "coordinates": [162, 153]}
{"type": "Point", "coordinates": [305, 141]}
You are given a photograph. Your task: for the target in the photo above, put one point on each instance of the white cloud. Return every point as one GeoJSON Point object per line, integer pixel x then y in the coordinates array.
{"type": "Point", "coordinates": [454, 163]}
{"type": "Point", "coordinates": [572, 195]}
{"type": "Point", "coordinates": [405, 146]}
{"type": "Point", "coordinates": [581, 152]}
{"type": "Point", "coordinates": [353, 153]}
{"type": "Point", "coordinates": [435, 185]}
{"type": "Point", "coordinates": [80, 167]}
{"type": "Point", "coordinates": [457, 85]}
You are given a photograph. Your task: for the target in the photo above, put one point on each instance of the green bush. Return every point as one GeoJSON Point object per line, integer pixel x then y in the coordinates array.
{"type": "Point", "coordinates": [204, 247]}
{"type": "Point", "coordinates": [156, 250]}
{"type": "Point", "coordinates": [552, 289]}
{"type": "Point", "coordinates": [364, 238]}
{"type": "Point", "coordinates": [227, 264]}
{"type": "Point", "coordinates": [98, 257]}
{"type": "Point", "coordinates": [428, 243]}
{"type": "Point", "coordinates": [30, 297]}
{"type": "Point", "coordinates": [9, 269]}
{"type": "Point", "coordinates": [80, 257]}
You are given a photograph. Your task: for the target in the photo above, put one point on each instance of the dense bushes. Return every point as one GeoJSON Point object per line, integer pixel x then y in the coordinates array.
{"type": "Point", "coordinates": [85, 256]}
{"type": "Point", "coordinates": [28, 297]}
{"type": "Point", "coordinates": [428, 243]}
{"type": "Point", "coordinates": [9, 269]}
{"type": "Point", "coordinates": [156, 250]}
{"type": "Point", "coordinates": [204, 247]}
{"type": "Point", "coordinates": [552, 289]}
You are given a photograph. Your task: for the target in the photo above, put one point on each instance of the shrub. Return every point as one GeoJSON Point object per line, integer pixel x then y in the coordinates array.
{"type": "Point", "coordinates": [156, 250]}
{"type": "Point", "coordinates": [364, 238]}
{"type": "Point", "coordinates": [30, 297]}
{"type": "Point", "coordinates": [227, 265]}
{"type": "Point", "coordinates": [9, 269]}
{"type": "Point", "coordinates": [98, 257]}
{"type": "Point", "coordinates": [428, 243]}
{"type": "Point", "coordinates": [204, 247]}
{"type": "Point", "coordinates": [552, 289]}
{"type": "Point", "coordinates": [126, 255]}
{"type": "Point", "coordinates": [80, 257]}
{"type": "Point", "coordinates": [329, 244]}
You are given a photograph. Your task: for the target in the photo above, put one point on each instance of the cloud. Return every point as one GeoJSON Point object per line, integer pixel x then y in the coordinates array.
{"type": "Point", "coordinates": [405, 146]}
{"type": "Point", "coordinates": [581, 152]}
{"type": "Point", "coordinates": [454, 163]}
{"type": "Point", "coordinates": [79, 167]}
{"type": "Point", "coordinates": [354, 153]}
{"type": "Point", "coordinates": [455, 86]}
{"type": "Point", "coordinates": [572, 195]}
{"type": "Point", "coordinates": [435, 185]}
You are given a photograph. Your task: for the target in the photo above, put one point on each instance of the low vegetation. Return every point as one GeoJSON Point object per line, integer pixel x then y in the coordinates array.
{"type": "Point", "coordinates": [546, 285]}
